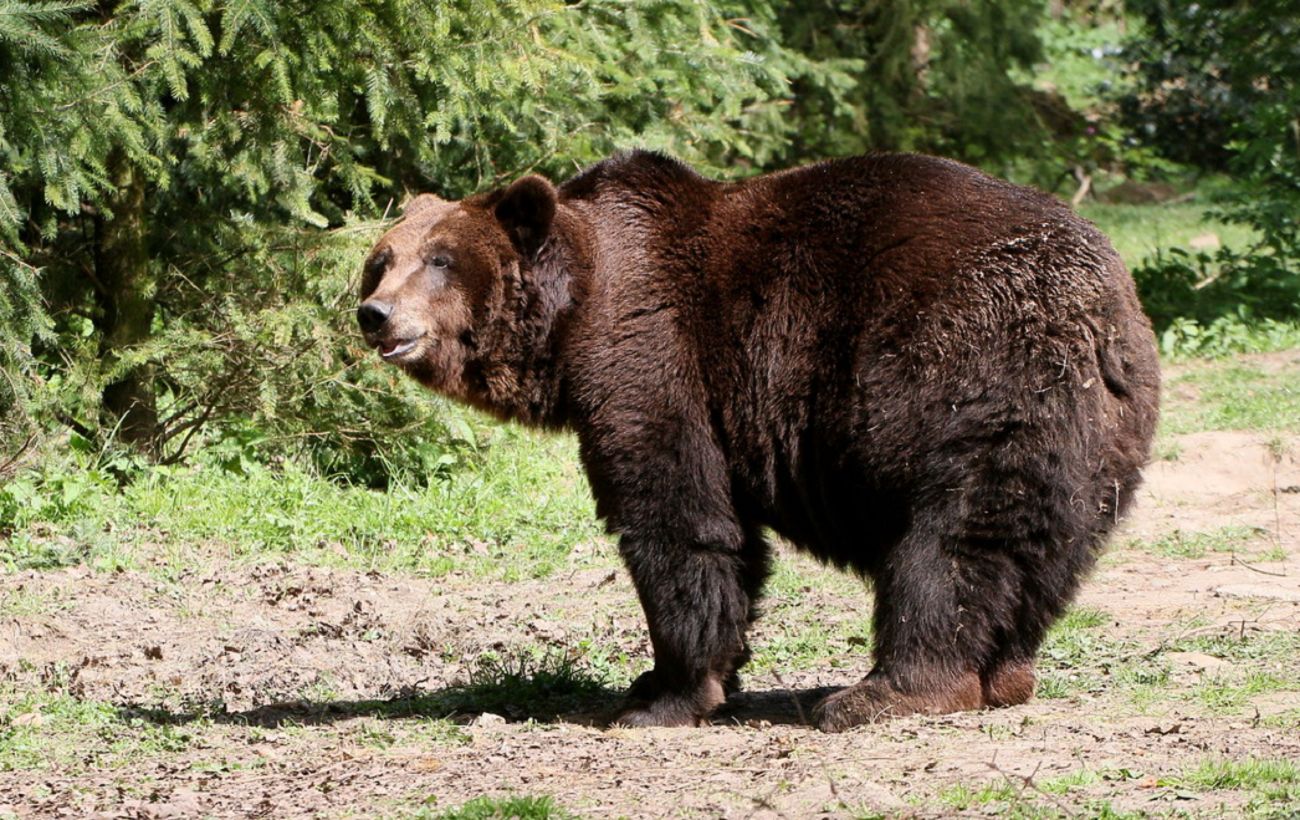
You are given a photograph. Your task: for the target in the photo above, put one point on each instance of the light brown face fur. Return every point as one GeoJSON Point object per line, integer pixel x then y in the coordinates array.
{"type": "Point", "coordinates": [437, 269]}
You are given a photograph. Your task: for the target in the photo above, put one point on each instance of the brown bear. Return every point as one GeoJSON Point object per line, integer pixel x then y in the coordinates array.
{"type": "Point", "coordinates": [936, 379]}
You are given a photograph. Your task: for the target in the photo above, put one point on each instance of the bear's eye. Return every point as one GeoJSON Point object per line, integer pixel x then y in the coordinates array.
{"type": "Point", "coordinates": [440, 262]}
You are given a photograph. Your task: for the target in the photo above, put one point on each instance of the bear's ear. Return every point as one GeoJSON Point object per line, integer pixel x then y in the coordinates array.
{"type": "Point", "coordinates": [422, 204]}
{"type": "Point", "coordinates": [525, 210]}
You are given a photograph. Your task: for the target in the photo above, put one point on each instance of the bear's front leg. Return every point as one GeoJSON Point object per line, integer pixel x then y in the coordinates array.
{"type": "Point", "coordinates": [664, 484]}
{"type": "Point", "coordinates": [697, 606]}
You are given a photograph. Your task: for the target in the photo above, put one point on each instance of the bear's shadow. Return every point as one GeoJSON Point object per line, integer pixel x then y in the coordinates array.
{"type": "Point", "coordinates": [587, 706]}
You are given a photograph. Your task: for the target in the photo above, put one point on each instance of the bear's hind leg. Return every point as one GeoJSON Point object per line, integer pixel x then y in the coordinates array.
{"type": "Point", "coordinates": [1047, 579]}
{"type": "Point", "coordinates": [1008, 682]}
{"type": "Point", "coordinates": [943, 605]}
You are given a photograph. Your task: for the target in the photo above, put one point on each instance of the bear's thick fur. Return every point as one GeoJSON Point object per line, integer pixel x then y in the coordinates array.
{"type": "Point", "coordinates": [936, 379]}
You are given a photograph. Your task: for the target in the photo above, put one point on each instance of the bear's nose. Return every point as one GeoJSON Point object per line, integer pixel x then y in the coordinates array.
{"type": "Point", "coordinates": [372, 314]}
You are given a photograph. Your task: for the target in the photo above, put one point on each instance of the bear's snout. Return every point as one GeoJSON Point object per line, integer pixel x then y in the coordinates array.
{"type": "Point", "coordinates": [373, 315]}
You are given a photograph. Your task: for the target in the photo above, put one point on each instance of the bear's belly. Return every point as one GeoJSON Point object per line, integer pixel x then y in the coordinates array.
{"type": "Point", "coordinates": [823, 498]}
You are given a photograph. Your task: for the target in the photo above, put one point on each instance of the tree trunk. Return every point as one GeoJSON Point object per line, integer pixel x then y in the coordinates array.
{"type": "Point", "coordinates": [122, 266]}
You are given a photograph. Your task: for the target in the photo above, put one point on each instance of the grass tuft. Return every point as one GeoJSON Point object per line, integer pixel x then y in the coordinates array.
{"type": "Point", "coordinates": [521, 686]}
{"type": "Point", "coordinates": [1273, 783]}
{"type": "Point", "coordinates": [1180, 544]}
{"type": "Point", "coordinates": [499, 808]}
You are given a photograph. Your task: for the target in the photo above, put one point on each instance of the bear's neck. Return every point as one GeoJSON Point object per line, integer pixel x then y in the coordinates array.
{"type": "Point", "coordinates": [519, 372]}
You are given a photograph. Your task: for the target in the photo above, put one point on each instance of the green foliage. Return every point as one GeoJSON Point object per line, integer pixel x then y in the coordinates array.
{"type": "Point", "coordinates": [1186, 338]}
{"type": "Point", "coordinates": [30, 42]}
{"type": "Point", "coordinates": [22, 319]}
{"type": "Point", "coordinates": [1220, 89]}
{"type": "Point", "coordinates": [61, 497]}
{"type": "Point", "coordinates": [501, 808]}
{"type": "Point", "coordinates": [167, 166]}
{"type": "Point", "coordinates": [1255, 286]}
{"type": "Point", "coordinates": [938, 75]}
{"type": "Point", "coordinates": [1208, 73]}
{"type": "Point", "coordinates": [516, 505]}
{"type": "Point", "coordinates": [1079, 83]}
{"type": "Point", "coordinates": [187, 186]}
{"type": "Point", "coordinates": [49, 730]}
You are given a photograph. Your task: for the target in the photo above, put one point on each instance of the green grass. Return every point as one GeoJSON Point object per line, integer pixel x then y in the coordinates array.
{"type": "Point", "coordinates": [1227, 694]}
{"type": "Point", "coordinates": [1260, 663]}
{"type": "Point", "coordinates": [794, 633]}
{"type": "Point", "coordinates": [1273, 554]}
{"type": "Point", "coordinates": [1166, 450]}
{"type": "Point", "coordinates": [1179, 544]}
{"type": "Point", "coordinates": [1074, 647]}
{"type": "Point", "coordinates": [25, 603]}
{"type": "Point", "coordinates": [1081, 657]}
{"type": "Point", "coordinates": [1287, 719]}
{"type": "Point", "coordinates": [807, 643]}
{"type": "Point", "coordinates": [1220, 773]}
{"type": "Point", "coordinates": [1272, 787]}
{"type": "Point", "coordinates": [528, 685]}
{"type": "Point", "coordinates": [1139, 231]}
{"type": "Point", "coordinates": [499, 808]}
{"type": "Point", "coordinates": [1273, 784]}
{"type": "Point", "coordinates": [963, 797]}
{"type": "Point", "coordinates": [1084, 778]}
{"type": "Point", "coordinates": [519, 514]}
{"type": "Point", "coordinates": [1246, 647]}
{"type": "Point", "coordinates": [1037, 800]}
{"type": "Point", "coordinates": [1231, 396]}
{"type": "Point", "coordinates": [46, 730]}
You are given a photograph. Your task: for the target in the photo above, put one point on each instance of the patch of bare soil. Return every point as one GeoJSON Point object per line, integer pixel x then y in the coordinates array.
{"type": "Point", "coordinates": [271, 672]}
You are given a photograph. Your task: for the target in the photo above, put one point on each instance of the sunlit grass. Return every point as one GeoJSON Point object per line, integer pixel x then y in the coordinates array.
{"type": "Point", "coordinates": [1231, 396]}
{"type": "Point", "coordinates": [1139, 231]}
{"type": "Point", "coordinates": [519, 513]}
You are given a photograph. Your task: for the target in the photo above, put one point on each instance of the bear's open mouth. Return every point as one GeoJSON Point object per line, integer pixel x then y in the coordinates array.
{"type": "Point", "coordinates": [400, 347]}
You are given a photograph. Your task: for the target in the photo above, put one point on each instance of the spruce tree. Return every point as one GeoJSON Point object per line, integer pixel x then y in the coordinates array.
{"type": "Point", "coordinates": [170, 166]}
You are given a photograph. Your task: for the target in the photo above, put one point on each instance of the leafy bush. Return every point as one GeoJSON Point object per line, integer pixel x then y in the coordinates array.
{"type": "Point", "coordinates": [1081, 82]}
{"type": "Point", "coordinates": [1221, 89]}
{"type": "Point", "coordinates": [64, 491]}
{"type": "Point", "coordinates": [1227, 335]}
{"type": "Point", "coordinates": [1202, 287]}
{"type": "Point", "coordinates": [169, 168]}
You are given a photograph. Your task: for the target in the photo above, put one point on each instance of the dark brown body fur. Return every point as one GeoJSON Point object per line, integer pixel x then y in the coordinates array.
{"type": "Point", "coordinates": [931, 377]}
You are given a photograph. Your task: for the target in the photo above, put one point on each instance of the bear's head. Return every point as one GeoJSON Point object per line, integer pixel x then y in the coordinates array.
{"type": "Point", "coordinates": [446, 275]}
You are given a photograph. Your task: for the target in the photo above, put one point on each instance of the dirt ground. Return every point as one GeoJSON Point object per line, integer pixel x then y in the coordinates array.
{"type": "Point", "coordinates": [267, 677]}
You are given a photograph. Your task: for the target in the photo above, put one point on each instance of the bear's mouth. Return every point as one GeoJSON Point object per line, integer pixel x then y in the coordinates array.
{"type": "Point", "coordinates": [397, 348]}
